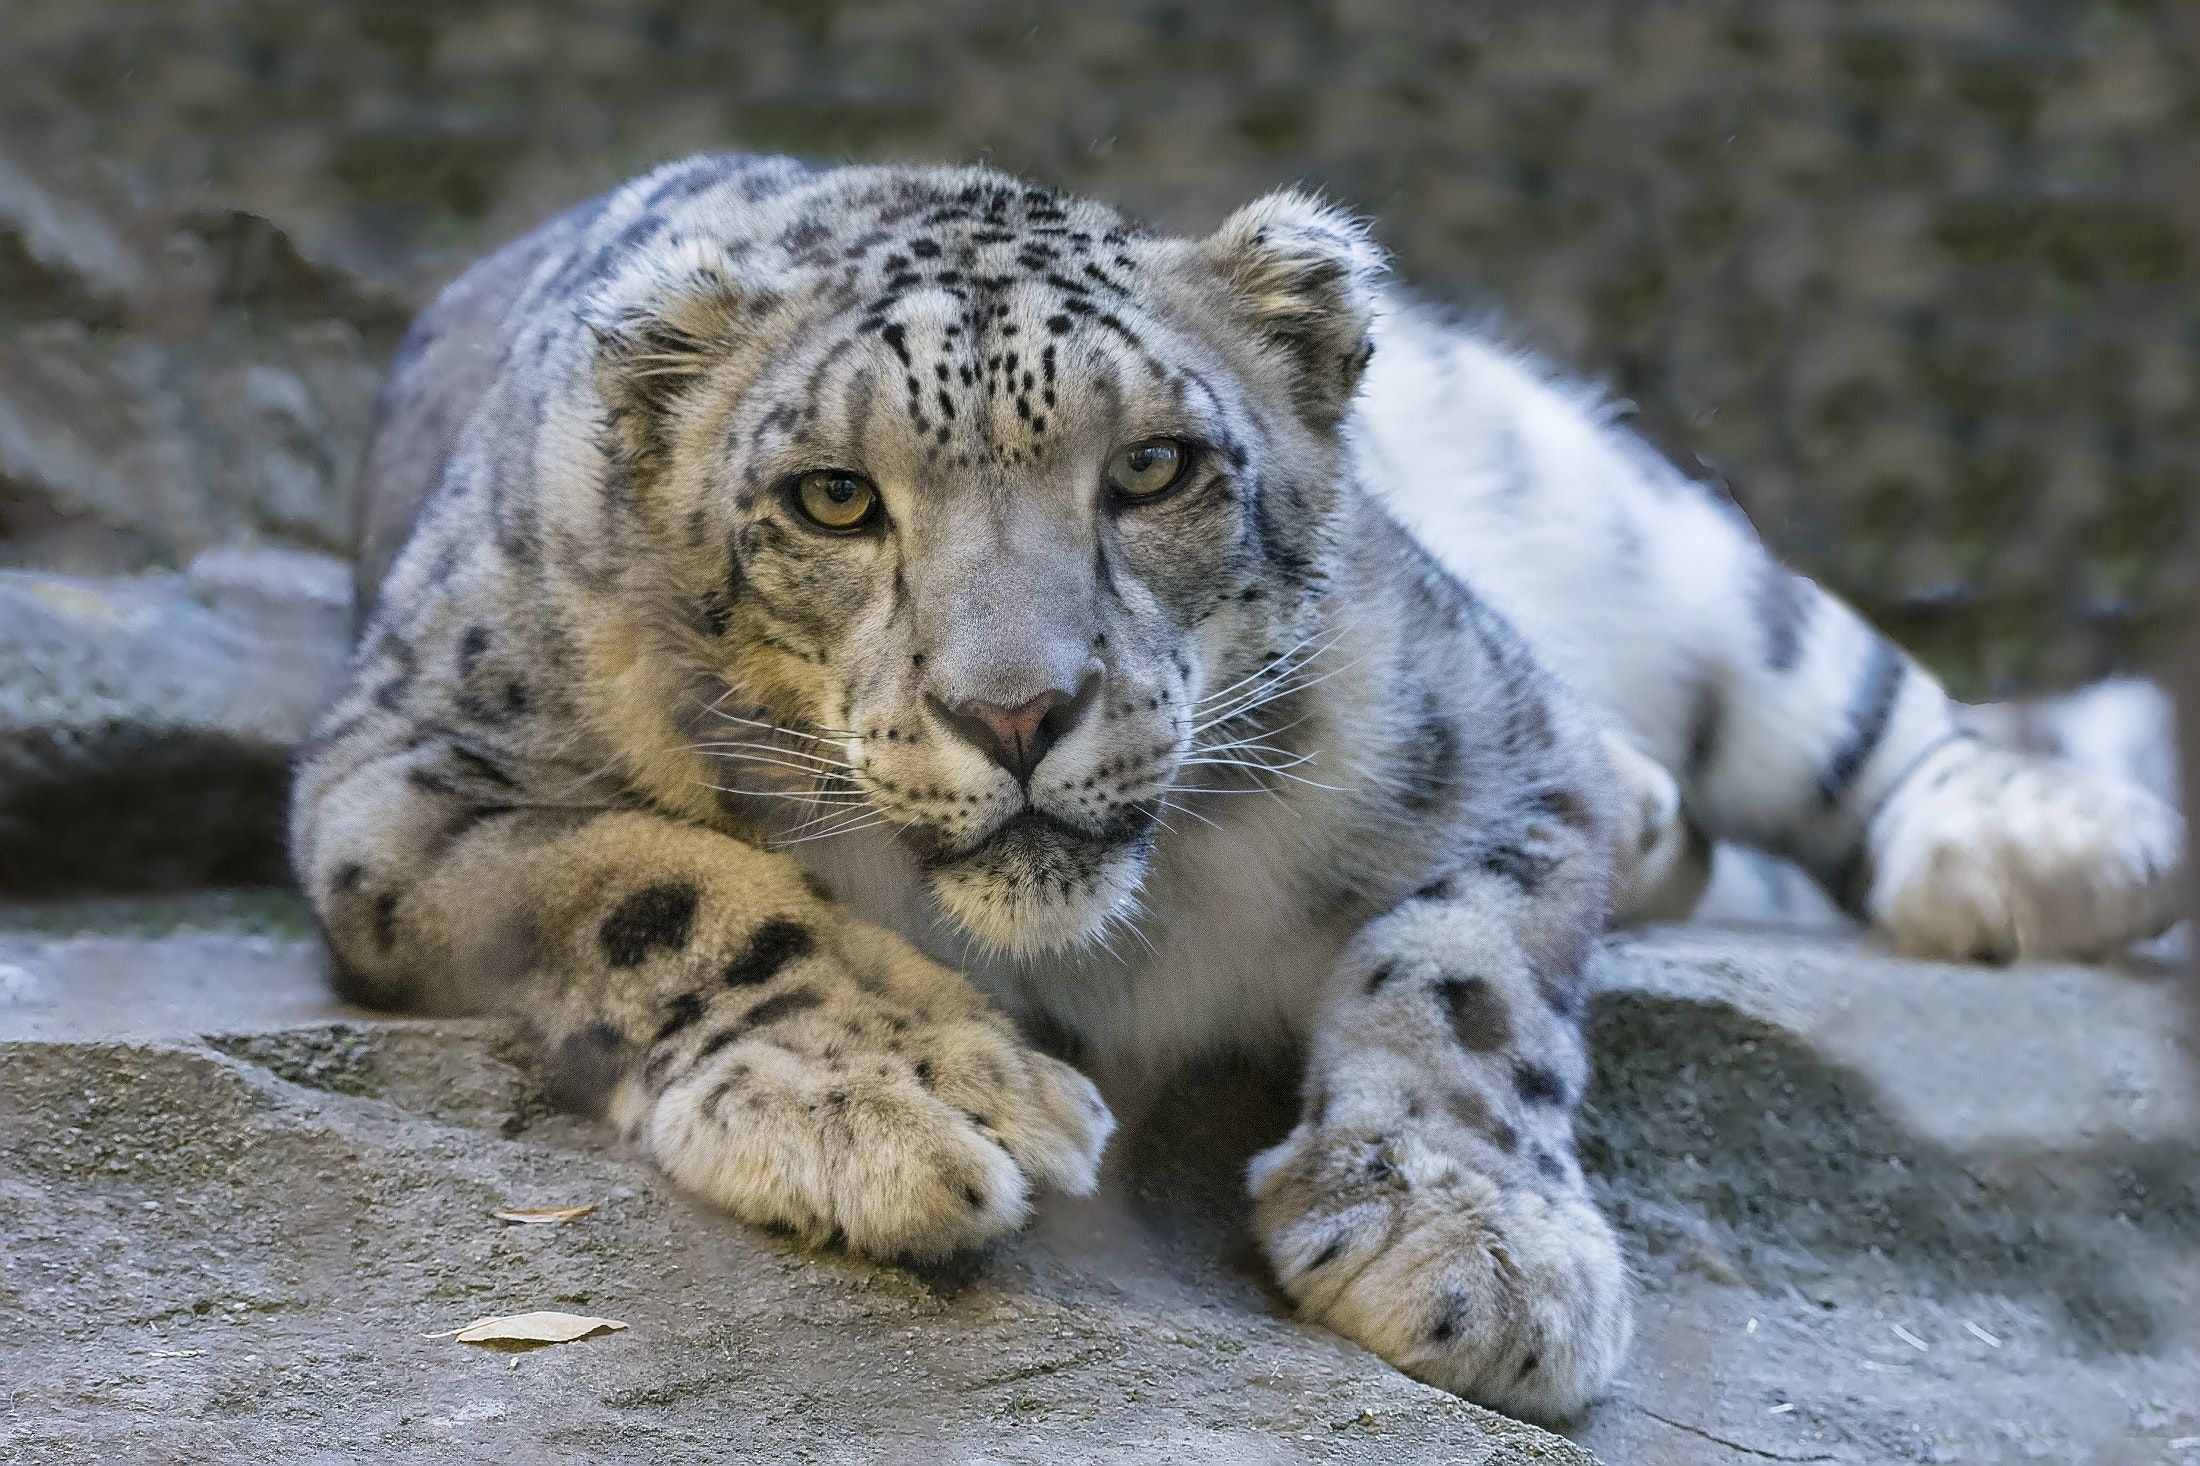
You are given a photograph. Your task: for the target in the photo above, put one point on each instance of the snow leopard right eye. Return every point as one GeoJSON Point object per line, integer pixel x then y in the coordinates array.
{"type": "Point", "coordinates": [1148, 468]}
{"type": "Point", "coordinates": [834, 499]}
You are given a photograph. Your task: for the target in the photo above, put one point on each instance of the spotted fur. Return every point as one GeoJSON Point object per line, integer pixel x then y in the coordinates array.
{"type": "Point", "coordinates": [632, 748]}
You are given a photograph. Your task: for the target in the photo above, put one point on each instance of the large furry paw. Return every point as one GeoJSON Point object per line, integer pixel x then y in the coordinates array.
{"type": "Point", "coordinates": [1512, 1295]}
{"type": "Point", "coordinates": [866, 1119]}
{"type": "Point", "coordinates": [1985, 854]}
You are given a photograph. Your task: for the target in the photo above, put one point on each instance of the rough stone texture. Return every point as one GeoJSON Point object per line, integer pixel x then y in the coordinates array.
{"type": "Point", "coordinates": [227, 1246]}
{"type": "Point", "coordinates": [174, 377]}
{"type": "Point", "coordinates": [1828, 1143]}
{"type": "Point", "coordinates": [1918, 275]}
{"type": "Point", "coordinates": [2186, 688]}
{"type": "Point", "coordinates": [147, 722]}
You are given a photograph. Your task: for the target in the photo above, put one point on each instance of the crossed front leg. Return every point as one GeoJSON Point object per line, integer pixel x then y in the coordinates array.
{"type": "Point", "coordinates": [771, 1052]}
{"type": "Point", "coordinates": [1428, 1204]}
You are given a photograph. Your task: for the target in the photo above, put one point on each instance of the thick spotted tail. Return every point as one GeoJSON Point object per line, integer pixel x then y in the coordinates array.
{"type": "Point", "coordinates": [799, 1068]}
{"type": "Point", "coordinates": [1787, 722]}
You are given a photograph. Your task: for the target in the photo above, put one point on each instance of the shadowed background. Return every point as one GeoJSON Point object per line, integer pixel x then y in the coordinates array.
{"type": "Point", "coordinates": [1916, 278]}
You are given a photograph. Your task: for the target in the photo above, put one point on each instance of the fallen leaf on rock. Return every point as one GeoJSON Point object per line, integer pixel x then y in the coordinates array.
{"type": "Point", "coordinates": [541, 1213]}
{"type": "Point", "coordinates": [529, 1330]}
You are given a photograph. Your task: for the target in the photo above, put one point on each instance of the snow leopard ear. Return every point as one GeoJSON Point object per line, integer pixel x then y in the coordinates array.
{"type": "Point", "coordinates": [661, 326]}
{"type": "Point", "coordinates": [1304, 275]}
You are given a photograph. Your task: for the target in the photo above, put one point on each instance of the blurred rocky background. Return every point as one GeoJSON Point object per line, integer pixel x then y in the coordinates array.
{"type": "Point", "coordinates": [1917, 278]}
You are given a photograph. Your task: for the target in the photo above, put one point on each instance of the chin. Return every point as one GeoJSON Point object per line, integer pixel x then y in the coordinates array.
{"type": "Point", "coordinates": [1039, 885]}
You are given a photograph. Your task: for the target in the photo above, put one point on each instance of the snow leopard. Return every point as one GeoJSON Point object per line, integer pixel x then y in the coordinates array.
{"type": "Point", "coordinates": [865, 661]}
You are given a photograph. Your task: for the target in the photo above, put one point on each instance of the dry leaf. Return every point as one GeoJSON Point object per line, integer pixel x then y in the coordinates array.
{"type": "Point", "coordinates": [541, 1213]}
{"type": "Point", "coordinates": [529, 1330]}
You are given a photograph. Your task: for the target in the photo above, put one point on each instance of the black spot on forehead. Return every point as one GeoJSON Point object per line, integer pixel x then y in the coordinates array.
{"type": "Point", "coordinates": [949, 274]}
{"type": "Point", "coordinates": [979, 238]}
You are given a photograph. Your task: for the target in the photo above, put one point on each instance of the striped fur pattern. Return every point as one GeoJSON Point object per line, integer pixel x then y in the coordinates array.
{"type": "Point", "coordinates": [631, 747]}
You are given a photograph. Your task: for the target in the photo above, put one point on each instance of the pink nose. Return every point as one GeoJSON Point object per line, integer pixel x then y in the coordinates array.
{"type": "Point", "coordinates": [1016, 738]}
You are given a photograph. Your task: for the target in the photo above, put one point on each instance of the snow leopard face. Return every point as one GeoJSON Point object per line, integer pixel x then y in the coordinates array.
{"type": "Point", "coordinates": [986, 504]}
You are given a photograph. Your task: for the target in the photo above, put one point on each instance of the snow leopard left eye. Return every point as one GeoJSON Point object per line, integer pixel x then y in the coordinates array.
{"type": "Point", "coordinates": [836, 500]}
{"type": "Point", "coordinates": [1148, 468]}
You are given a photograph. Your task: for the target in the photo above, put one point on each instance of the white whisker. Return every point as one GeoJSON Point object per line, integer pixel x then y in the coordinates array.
{"type": "Point", "coordinates": [847, 826]}
{"type": "Point", "coordinates": [1302, 779]}
{"type": "Point", "coordinates": [815, 734]}
{"type": "Point", "coordinates": [1248, 708]}
{"type": "Point", "coordinates": [1174, 808]}
{"type": "Point", "coordinates": [1290, 758]}
{"type": "Point", "coordinates": [1282, 661]}
{"type": "Point", "coordinates": [809, 770]}
{"type": "Point", "coordinates": [1257, 767]}
{"type": "Point", "coordinates": [1248, 739]}
{"type": "Point", "coordinates": [822, 735]}
{"type": "Point", "coordinates": [1270, 685]}
{"type": "Point", "coordinates": [1252, 700]}
{"type": "Point", "coordinates": [825, 799]}
{"type": "Point", "coordinates": [772, 748]}
{"type": "Point", "coordinates": [587, 779]}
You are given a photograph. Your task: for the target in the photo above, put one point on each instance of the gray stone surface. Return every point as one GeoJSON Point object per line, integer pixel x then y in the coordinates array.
{"type": "Point", "coordinates": [175, 376]}
{"type": "Point", "coordinates": [1812, 1147]}
{"type": "Point", "coordinates": [233, 1207]}
{"type": "Point", "coordinates": [147, 721]}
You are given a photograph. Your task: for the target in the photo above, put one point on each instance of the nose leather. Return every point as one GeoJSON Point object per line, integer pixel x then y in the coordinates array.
{"type": "Point", "coordinates": [1017, 738]}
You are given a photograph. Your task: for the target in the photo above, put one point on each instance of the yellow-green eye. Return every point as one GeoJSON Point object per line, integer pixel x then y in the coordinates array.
{"type": "Point", "coordinates": [836, 500]}
{"type": "Point", "coordinates": [1148, 467]}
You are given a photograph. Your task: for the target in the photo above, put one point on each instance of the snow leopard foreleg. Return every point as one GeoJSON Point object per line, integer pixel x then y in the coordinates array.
{"type": "Point", "coordinates": [1428, 1204]}
{"type": "Point", "coordinates": [799, 1067]}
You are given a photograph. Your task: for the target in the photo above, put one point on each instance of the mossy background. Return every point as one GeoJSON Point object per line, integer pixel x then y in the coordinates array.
{"type": "Point", "coordinates": [1918, 279]}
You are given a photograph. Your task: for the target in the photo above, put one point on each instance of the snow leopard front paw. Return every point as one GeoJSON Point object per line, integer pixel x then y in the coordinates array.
{"type": "Point", "coordinates": [872, 1120]}
{"type": "Point", "coordinates": [1512, 1295]}
{"type": "Point", "coordinates": [1987, 854]}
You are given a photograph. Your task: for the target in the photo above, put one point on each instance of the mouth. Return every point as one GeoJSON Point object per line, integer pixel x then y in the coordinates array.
{"type": "Point", "coordinates": [1037, 835]}
{"type": "Point", "coordinates": [1037, 882]}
